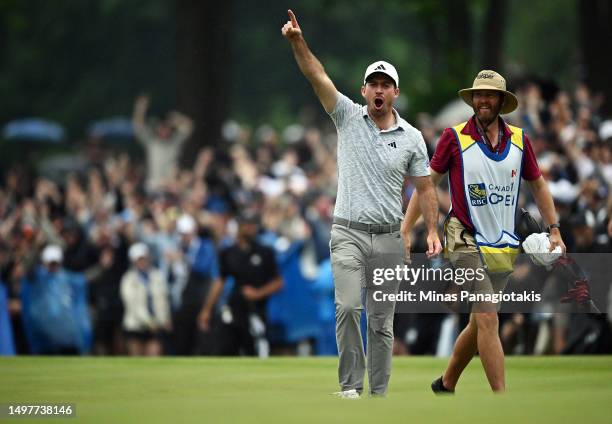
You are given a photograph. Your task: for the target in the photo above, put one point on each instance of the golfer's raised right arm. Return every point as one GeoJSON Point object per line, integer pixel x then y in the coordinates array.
{"type": "Point", "coordinates": [310, 66]}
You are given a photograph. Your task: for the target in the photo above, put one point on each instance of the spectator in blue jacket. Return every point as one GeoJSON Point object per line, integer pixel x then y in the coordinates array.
{"type": "Point", "coordinates": [55, 314]}
{"type": "Point", "coordinates": [7, 345]}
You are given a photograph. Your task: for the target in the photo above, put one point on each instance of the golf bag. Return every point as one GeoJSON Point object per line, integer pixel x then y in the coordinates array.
{"type": "Point", "coordinates": [578, 291]}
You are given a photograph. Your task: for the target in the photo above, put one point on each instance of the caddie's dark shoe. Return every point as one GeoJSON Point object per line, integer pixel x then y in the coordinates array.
{"type": "Point", "coordinates": [438, 388]}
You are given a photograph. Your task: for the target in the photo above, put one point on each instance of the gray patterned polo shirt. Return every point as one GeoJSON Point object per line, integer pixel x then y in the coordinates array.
{"type": "Point", "coordinates": [372, 164]}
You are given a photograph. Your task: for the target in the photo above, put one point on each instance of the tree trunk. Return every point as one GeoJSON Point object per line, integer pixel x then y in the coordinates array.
{"type": "Point", "coordinates": [459, 52]}
{"type": "Point", "coordinates": [596, 42]}
{"type": "Point", "coordinates": [493, 35]}
{"type": "Point", "coordinates": [203, 69]}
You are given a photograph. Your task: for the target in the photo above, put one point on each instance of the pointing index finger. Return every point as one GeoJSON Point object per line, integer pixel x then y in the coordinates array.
{"type": "Point", "coordinates": [294, 23]}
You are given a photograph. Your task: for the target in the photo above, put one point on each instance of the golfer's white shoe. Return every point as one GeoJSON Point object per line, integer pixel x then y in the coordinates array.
{"type": "Point", "coordinates": [347, 394]}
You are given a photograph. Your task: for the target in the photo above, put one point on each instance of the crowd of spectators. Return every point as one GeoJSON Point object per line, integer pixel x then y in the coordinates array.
{"type": "Point", "coordinates": [119, 258]}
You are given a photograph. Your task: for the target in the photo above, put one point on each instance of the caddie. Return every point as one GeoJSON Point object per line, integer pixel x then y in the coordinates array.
{"type": "Point", "coordinates": [485, 159]}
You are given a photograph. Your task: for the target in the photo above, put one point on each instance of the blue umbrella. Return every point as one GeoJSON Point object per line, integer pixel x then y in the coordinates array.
{"type": "Point", "coordinates": [34, 129]}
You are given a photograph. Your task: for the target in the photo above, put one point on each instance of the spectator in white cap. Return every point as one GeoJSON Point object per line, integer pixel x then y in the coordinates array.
{"type": "Point", "coordinates": [144, 292]}
{"type": "Point", "coordinates": [186, 226]}
{"type": "Point", "coordinates": [605, 130]}
{"type": "Point", "coordinates": [52, 257]}
{"type": "Point", "coordinates": [199, 257]}
{"type": "Point", "coordinates": [55, 313]}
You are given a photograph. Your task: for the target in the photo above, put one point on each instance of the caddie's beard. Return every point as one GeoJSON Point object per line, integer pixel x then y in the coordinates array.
{"type": "Point", "coordinates": [488, 118]}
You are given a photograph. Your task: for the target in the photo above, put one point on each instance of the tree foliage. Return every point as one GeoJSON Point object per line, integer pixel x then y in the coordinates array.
{"type": "Point", "coordinates": [77, 61]}
{"type": "Point", "coordinates": [82, 60]}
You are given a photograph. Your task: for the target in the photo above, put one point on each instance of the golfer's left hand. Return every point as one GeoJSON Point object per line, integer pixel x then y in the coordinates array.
{"type": "Point", "coordinates": [556, 240]}
{"type": "Point", "coordinates": [434, 247]}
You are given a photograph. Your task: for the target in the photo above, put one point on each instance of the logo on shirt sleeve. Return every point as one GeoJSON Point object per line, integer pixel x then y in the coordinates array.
{"type": "Point", "coordinates": [478, 194]}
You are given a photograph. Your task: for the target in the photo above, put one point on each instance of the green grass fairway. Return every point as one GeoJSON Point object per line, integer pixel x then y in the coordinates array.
{"type": "Point", "coordinates": [289, 390]}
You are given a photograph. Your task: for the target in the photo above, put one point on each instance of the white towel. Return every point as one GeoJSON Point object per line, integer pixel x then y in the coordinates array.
{"type": "Point", "coordinates": [537, 247]}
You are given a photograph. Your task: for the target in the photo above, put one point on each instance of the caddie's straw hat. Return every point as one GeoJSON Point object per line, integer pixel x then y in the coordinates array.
{"type": "Point", "coordinates": [490, 80]}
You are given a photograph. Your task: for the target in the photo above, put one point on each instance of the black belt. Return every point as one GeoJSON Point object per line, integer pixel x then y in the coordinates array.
{"type": "Point", "coordinates": [368, 228]}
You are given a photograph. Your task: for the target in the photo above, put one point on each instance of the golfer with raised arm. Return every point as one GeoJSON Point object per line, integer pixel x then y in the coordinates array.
{"type": "Point", "coordinates": [377, 149]}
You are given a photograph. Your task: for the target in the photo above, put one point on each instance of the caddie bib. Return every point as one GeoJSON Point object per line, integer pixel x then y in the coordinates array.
{"type": "Point", "coordinates": [491, 183]}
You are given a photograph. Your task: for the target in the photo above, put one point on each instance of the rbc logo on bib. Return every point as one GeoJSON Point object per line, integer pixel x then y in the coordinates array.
{"type": "Point", "coordinates": [478, 194]}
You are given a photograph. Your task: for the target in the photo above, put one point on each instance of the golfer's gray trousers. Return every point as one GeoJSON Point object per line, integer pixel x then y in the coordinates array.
{"type": "Point", "coordinates": [355, 255]}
